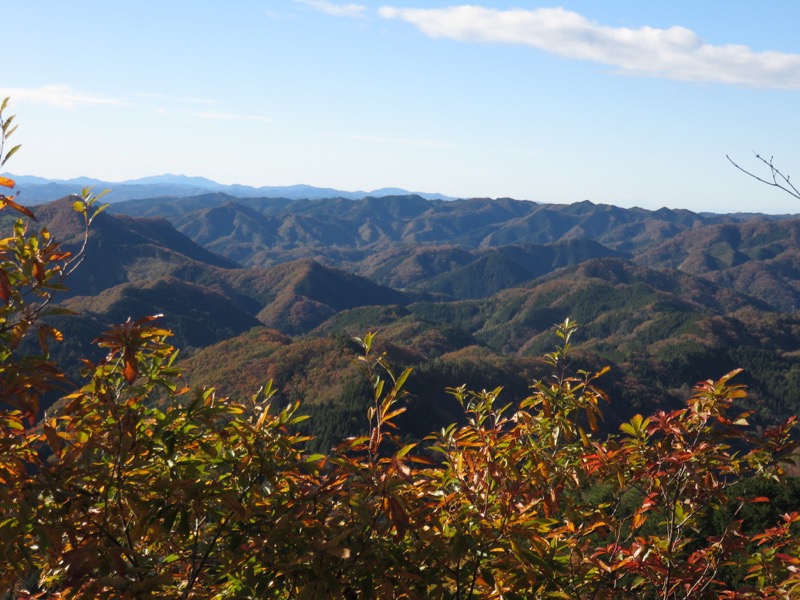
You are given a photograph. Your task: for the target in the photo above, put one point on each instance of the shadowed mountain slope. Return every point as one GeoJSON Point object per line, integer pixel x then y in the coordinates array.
{"type": "Point", "coordinates": [141, 266]}
{"type": "Point", "coordinates": [304, 293]}
{"type": "Point", "coordinates": [123, 249]}
{"type": "Point", "coordinates": [197, 315]}
{"type": "Point", "coordinates": [759, 258]}
{"type": "Point", "coordinates": [497, 269]}
{"type": "Point", "coordinates": [343, 232]}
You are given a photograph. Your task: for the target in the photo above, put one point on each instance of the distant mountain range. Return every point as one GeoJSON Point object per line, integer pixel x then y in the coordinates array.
{"type": "Point", "coordinates": [35, 190]}
{"type": "Point", "coordinates": [464, 291]}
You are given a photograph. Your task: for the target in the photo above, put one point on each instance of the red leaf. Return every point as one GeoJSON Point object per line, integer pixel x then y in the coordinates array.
{"type": "Point", "coordinates": [5, 287]}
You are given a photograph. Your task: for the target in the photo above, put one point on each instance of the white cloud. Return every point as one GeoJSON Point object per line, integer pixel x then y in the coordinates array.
{"type": "Point", "coordinates": [337, 10]}
{"type": "Point", "coordinates": [223, 116]}
{"type": "Point", "coordinates": [58, 95]}
{"type": "Point", "coordinates": [674, 53]}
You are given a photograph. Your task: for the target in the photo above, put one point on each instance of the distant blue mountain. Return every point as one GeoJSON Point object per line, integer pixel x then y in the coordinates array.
{"type": "Point", "coordinates": [168, 179]}
{"type": "Point", "coordinates": [32, 180]}
{"type": "Point", "coordinates": [35, 190]}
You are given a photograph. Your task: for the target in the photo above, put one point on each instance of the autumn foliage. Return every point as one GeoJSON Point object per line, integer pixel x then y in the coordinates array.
{"type": "Point", "coordinates": [135, 486]}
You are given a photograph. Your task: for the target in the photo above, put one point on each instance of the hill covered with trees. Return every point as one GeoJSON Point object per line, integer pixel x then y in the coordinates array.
{"type": "Point", "coordinates": [454, 287]}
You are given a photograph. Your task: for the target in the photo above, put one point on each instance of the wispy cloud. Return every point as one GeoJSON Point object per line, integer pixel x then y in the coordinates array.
{"type": "Point", "coordinates": [58, 95]}
{"type": "Point", "coordinates": [337, 10]}
{"type": "Point", "coordinates": [224, 116]}
{"type": "Point", "coordinates": [675, 53]}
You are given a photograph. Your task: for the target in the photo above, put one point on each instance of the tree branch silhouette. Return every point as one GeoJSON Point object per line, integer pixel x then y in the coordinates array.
{"type": "Point", "coordinates": [776, 178]}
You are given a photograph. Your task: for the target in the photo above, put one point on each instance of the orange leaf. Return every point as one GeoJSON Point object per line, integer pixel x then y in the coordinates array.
{"type": "Point", "coordinates": [9, 201]}
{"type": "Point", "coordinates": [592, 418]}
{"type": "Point", "coordinates": [39, 271]}
{"type": "Point", "coordinates": [6, 182]}
{"type": "Point", "coordinates": [130, 370]}
{"type": "Point", "coordinates": [639, 519]}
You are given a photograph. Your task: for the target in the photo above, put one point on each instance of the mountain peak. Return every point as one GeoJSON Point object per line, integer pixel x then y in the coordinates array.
{"type": "Point", "coordinates": [170, 179]}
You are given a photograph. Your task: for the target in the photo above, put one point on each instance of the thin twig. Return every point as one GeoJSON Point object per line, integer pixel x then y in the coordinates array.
{"type": "Point", "coordinates": [777, 178]}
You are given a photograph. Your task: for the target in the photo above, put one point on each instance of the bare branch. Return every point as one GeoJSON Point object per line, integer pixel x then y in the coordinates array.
{"type": "Point", "coordinates": [776, 177]}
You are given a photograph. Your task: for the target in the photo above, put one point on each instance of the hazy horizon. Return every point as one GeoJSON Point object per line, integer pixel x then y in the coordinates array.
{"type": "Point", "coordinates": [621, 103]}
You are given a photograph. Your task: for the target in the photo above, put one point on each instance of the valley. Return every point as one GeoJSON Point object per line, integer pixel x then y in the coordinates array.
{"type": "Point", "coordinates": [462, 291]}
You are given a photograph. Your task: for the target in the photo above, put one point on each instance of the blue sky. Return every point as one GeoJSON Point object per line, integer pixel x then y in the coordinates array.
{"type": "Point", "coordinates": [619, 102]}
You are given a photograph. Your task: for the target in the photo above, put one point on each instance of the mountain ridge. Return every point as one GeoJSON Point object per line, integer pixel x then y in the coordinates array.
{"type": "Point", "coordinates": [34, 189]}
{"type": "Point", "coordinates": [465, 291]}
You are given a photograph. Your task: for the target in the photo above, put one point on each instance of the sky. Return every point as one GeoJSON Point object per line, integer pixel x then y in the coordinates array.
{"type": "Point", "coordinates": [629, 103]}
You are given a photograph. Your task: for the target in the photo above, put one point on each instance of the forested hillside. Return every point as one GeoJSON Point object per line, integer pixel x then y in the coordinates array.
{"type": "Point", "coordinates": [463, 291]}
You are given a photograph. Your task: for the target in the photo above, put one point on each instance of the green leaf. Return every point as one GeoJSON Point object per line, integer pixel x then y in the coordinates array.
{"type": "Point", "coordinates": [11, 153]}
{"type": "Point", "coordinates": [13, 424]}
{"type": "Point", "coordinates": [405, 450]}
